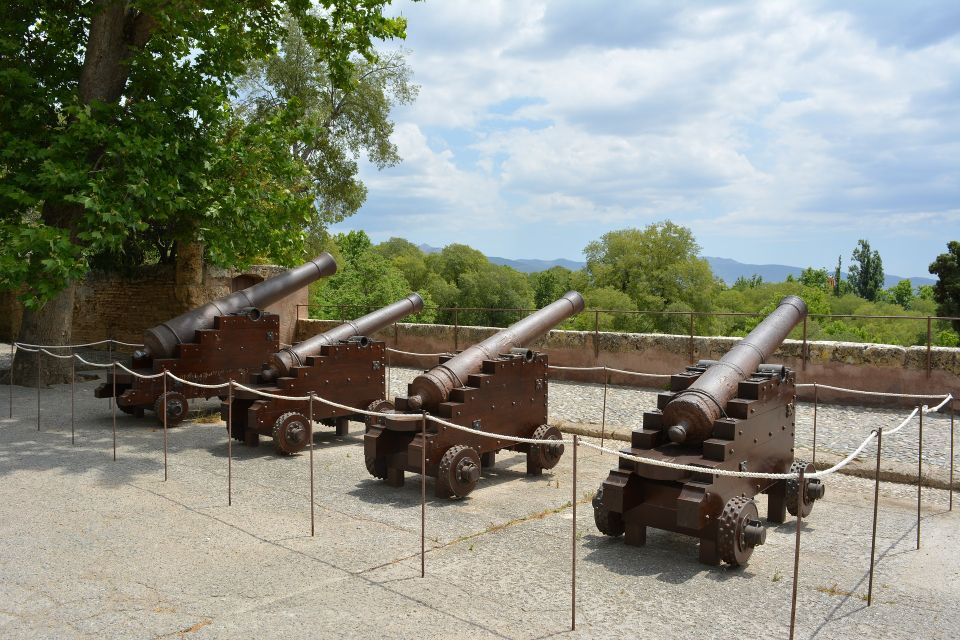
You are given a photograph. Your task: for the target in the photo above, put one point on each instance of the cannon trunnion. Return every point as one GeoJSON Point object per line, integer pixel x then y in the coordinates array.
{"type": "Point", "coordinates": [508, 396]}
{"type": "Point", "coordinates": [350, 373]}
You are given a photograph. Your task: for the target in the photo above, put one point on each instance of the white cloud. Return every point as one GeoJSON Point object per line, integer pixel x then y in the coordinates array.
{"type": "Point", "coordinates": [751, 118]}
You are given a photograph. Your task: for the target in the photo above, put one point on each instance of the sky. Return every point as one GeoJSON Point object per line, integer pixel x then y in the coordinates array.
{"type": "Point", "coordinates": [779, 132]}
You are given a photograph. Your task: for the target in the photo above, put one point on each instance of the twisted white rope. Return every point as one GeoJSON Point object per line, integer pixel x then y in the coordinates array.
{"type": "Point", "coordinates": [54, 355]}
{"type": "Point", "coordinates": [412, 353]}
{"type": "Point", "coordinates": [494, 436]}
{"type": "Point", "coordinates": [558, 368]}
{"type": "Point", "coordinates": [189, 382]}
{"type": "Point", "coordinates": [264, 394]}
{"type": "Point", "coordinates": [139, 375]}
{"type": "Point", "coordinates": [946, 399]}
{"type": "Point", "coordinates": [92, 364]}
{"type": "Point", "coordinates": [75, 346]}
{"type": "Point", "coordinates": [806, 385]}
{"type": "Point", "coordinates": [902, 424]}
{"type": "Point", "coordinates": [640, 373]}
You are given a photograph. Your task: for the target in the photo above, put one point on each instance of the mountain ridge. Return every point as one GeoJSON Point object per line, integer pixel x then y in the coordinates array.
{"type": "Point", "coordinates": [726, 269]}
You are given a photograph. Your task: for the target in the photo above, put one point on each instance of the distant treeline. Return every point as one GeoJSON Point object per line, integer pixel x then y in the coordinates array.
{"type": "Point", "coordinates": [650, 270]}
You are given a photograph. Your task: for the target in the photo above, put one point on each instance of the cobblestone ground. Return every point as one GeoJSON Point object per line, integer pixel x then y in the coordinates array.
{"type": "Point", "coordinates": [840, 428]}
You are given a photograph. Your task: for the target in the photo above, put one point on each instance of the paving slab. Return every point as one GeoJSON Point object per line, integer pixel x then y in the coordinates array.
{"type": "Point", "coordinates": [91, 547]}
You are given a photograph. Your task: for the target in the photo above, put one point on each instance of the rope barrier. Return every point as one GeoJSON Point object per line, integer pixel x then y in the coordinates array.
{"type": "Point", "coordinates": [421, 355]}
{"type": "Point", "coordinates": [75, 346]}
{"type": "Point", "coordinates": [192, 384]}
{"type": "Point", "coordinates": [640, 373]}
{"type": "Point", "coordinates": [54, 355]}
{"type": "Point", "coordinates": [92, 364]}
{"type": "Point", "coordinates": [946, 399]}
{"type": "Point", "coordinates": [494, 436]}
{"type": "Point", "coordinates": [807, 385]}
{"type": "Point", "coordinates": [139, 375]}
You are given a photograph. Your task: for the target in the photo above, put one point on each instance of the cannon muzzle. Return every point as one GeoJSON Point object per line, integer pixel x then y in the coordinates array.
{"type": "Point", "coordinates": [691, 413]}
{"type": "Point", "coordinates": [161, 341]}
{"type": "Point", "coordinates": [284, 360]}
{"type": "Point", "coordinates": [428, 390]}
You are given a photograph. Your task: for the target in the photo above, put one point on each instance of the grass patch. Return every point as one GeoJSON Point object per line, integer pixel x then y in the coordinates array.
{"type": "Point", "coordinates": [208, 418]}
{"type": "Point", "coordinates": [834, 590]}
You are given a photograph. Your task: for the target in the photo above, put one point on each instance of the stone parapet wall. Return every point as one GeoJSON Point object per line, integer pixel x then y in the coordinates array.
{"type": "Point", "coordinates": [869, 367]}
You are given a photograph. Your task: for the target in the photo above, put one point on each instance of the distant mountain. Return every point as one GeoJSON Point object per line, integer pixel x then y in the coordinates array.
{"type": "Point", "coordinates": [532, 266]}
{"type": "Point", "coordinates": [725, 268]}
{"type": "Point", "coordinates": [729, 270]}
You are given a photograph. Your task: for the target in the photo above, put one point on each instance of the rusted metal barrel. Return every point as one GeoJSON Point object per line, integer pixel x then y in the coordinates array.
{"type": "Point", "coordinates": [282, 361]}
{"type": "Point", "coordinates": [691, 413]}
{"type": "Point", "coordinates": [428, 390]}
{"type": "Point", "coordinates": [161, 341]}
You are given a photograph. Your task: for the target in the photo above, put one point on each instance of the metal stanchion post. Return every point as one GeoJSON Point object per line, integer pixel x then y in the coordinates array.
{"type": "Point", "coordinates": [423, 494]}
{"type": "Point", "coordinates": [312, 521]}
{"type": "Point", "coordinates": [816, 404]}
{"type": "Point", "coordinates": [73, 397]}
{"type": "Point", "coordinates": [10, 380]}
{"type": "Point", "coordinates": [573, 543]}
{"type": "Point", "coordinates": [876, 504]}
{"type": "Point", "coordinates": [951, 452]}
{"type": "Point", "coordinates": [38, 388]}
{"type": "Point", "coordinates": [230, 443]}
{"type": "Point", "coordinates": [110, 358]}
{"type": "Point", "coordinates": [388, 372]}
{"type": "Point", "coordinates": [164, 404]}
{"type": "Point", "coordinates": [796, 565]}
{"type": "Point", "coordinates": [919, 473]}
{"type": "Point", "coordinates": [115, 412]}
{"type": "Point", "coordinates": [603, 417]}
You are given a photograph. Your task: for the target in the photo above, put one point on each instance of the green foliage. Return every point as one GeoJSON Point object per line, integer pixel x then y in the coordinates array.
{"type": "Point", "coordinates": [947, 290]}
{"type": "Point", "coordinates": [816, 279]}
{"type": "Point", "coordinates": [866, 271]}
{"type": "Point", "coordinates": [743, 282]}
{"type": "Point", "coordinates": [657, 267]}
{"type": "Point", "coordinates": [150, 150]}
{"type": "Point", "coordinates": [365, 281]}
{"type": "Point", "coordinates": [901, 293]}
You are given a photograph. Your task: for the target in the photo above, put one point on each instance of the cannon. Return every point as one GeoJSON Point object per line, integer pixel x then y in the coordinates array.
{"type": "Point", "coordinates": [343, 365]}
{"type": "Point", "coordinates": [496, 386]}
{"type": "Point", "coordinates": [734, 414]}
{"type": "Point", "coordinates": [225, 339]}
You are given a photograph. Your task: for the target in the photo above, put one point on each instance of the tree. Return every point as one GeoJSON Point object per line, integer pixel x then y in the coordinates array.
{"type": "Point", "coordinates": [365, 280]}
{"type": "Point", "coordinates": [901, 293]}
{"type": "Point", "coordinates": [866, 271]}
{"type": "Point", "coordinates": [336, 122]}
{"type": "Point", "coordinates": [116, 121]}
{"type": "Point", "coordinates": [947, 290]}
{"type": "Point", "coordinates": [816, 279]}
{"type": "Point", "coordinates": [837, 277]}
{"type": "Point", "coordinates": [550, 285]}
{"type": "Point", "coordinates": [657, 266]}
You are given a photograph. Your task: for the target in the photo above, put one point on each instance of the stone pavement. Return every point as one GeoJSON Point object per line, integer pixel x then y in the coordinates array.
{"type": "Point", "coordinates": [90, 547]}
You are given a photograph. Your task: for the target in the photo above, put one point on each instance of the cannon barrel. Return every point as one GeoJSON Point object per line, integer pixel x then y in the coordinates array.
{"type": "Point", "coordinates": [429, 389]}
{"type": "Point", "coordinates": [161, 341]}
{"type": "Point", "coordinates": [691, 413]}
{"type": "Point", "coordinates": [285, 359]}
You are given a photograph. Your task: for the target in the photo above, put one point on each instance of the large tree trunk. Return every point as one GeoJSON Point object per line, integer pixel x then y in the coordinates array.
{"type": "Point", "coordinates": [50, 325]}
{"type": "Point", "coordinates": [116, 33]}
{"type": "Point", "coordinates": [188, 277]}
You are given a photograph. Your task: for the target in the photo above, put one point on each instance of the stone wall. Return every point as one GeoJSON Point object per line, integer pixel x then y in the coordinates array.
{"type": "Point", "coordinates": [870, 367]}
{"type": "Point", "coordinates": [111, 306]}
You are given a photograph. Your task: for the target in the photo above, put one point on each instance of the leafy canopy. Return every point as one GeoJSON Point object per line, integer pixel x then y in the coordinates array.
{"type": "Point", "coordinates": [85, 174]}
